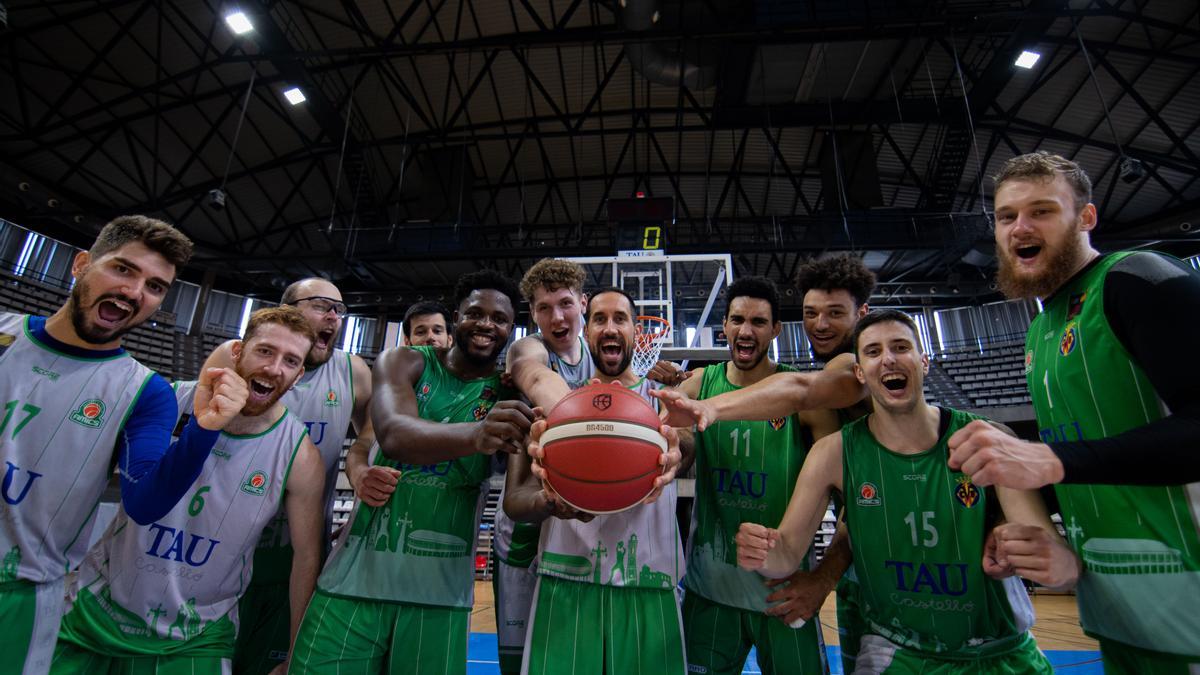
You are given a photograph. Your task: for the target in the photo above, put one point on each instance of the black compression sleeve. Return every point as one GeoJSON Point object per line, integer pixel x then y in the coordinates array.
{"type": "Point", "coordinates": [1153, 305]}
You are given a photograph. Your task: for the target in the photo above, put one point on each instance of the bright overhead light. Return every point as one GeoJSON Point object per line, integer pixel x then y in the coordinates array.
{"type": "Point", "coordinates": [294, 96]}
{"type": "Point", "coordinates": [1027, 59]}
{"type": "Point", "coordinates": [239, 22]}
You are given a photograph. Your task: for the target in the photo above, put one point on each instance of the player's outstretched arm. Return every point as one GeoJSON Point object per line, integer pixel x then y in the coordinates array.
{"type": "Point", "coordinates": [779, 395]}
{"type": "Point", "coordinates": [304, 501]}
{"type": "Point", "coordinates": [526, 362]}
{"type": "Point", "coordinates": [777, 553]}
{"type": "Point", "coordinates": [1028, 545]}
{"type": "Point", "coordinates": [155, 472]}
{"type": "Point", "coordinates": [403, 435]}
{"type": "Point", "coordinates": [525, 498]}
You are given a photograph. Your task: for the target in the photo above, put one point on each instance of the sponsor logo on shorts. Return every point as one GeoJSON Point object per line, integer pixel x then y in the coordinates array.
{"type": "Point", "coordinates": [423, 392]}
{"type": "Point", "coordinates": [331, 398]}
{"type": "Point", "coordinates": [53, 376]}
{"type": "Point", "coordinates": [602, 401]}
{"type": "Point", "coordinates": [778, 423]}
{"type": "Point", "coordinates": [1069, 339]}
{"type": "Point", "coordinates": [90, 414]}
{"type": "Point", "coordinates": [966, 493]}
{"type": "Point", "coordinates": [868, 495]}
{"type": "Point", "coordinates": [256, 483]}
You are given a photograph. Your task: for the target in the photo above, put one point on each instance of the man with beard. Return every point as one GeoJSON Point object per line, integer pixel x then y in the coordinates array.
{"type": "Point", "coordinates": [319, 400]}
{"type": "Point", "coordinates": [537, 363]}
{"type": "Point", "coordinates": [162, 597]}
{"type": "Point", "coordinates": [744, 472]}
{"type": "Point", "coordinates": [917, 527]}
{"type": "Point", "coordinates": [835, 292]}
{"type": "Point", "coordinates": [78, 404]}
{"type": "Point", "coordinates": [1118, 412]}
{"type": "Point", "coordinates": [397, 592]}
{"type": "Point", "coordinates": [426, 324]}
{"type": "Point", "coordinates": [624, 602]}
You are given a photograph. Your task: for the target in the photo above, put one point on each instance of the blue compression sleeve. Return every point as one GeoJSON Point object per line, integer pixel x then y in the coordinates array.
{"type": "Point", "coordinates": [155, 473]}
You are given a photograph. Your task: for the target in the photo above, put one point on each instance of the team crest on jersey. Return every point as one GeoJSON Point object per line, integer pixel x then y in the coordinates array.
{"type": "Point", "coordinates": [1069, 339]}
{"type": "Point", "coordinates": [481, 411]}
{"type": "Point", "coordinates": [966, 493]}
{"type": "Point", "coordinates": [6, 341]}
{"type": "Point", "coordinates": [778, 423]}
{"type": "Point", "coordinates": [868, 495]}
{"type": "Point", "coordinates": [331, 398]}
{"type": "Point", "coordinates": [90, 414]}
{"type": "Point", "coordinates": [256, 483]}
{"type": "Point", "coordinates": [1029, 362]}
{"type": "Point", "coordinates": [1075, 305]}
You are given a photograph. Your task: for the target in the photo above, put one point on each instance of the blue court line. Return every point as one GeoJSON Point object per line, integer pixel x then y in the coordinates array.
{"type": "Point", "coordinates": [482, 659]}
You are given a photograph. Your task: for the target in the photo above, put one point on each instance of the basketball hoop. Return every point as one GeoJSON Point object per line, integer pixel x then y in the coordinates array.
{"type": "Point", "coordinates": [652, 333]}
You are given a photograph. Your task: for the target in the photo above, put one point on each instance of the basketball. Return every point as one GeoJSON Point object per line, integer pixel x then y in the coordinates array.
{"type": "Point", "coordinates": [602, 448]}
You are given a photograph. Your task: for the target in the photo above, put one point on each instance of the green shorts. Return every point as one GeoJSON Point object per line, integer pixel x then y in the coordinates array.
{"type": "Point", "coordinates": [30, 614]}
{"type": "Point", "coordinates": [1120, 658]}
{"type": "Point", "coordinates": [877, 655]}
{"type": "Point", "coordinates": [70, 659]}
{"type": "Point", "coordinates": [512, 588]}
{"type": "Point", "coordinates": [264, 629]}
{"type": "Point", "coordinates": [851, 626]}
{"type": "Point", "coordinates": [587, 629]}
{"type": "Point", "coordinates": [719, 638]}
{"type": "Point", "coordinates": [353, 635]}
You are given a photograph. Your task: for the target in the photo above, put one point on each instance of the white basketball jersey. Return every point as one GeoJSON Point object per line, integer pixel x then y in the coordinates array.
{"type": "Point", "coordinates": [323, 400]}
{"type": "Point", "coordinates": [640, 547]}
{"type": "Point", "coordinates": [58, 430]}
{"type": "Point", "coordinates": [172, 578]}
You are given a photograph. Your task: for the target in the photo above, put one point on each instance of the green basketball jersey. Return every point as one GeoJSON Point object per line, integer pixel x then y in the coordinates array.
{"type": "Point", "coordinates": [745, 472]}
{"type": "Point", "coordinates": [419, 547]}
{"type": "Point", "coordinates": [917, 529]}
{"type": "Point", "coordinates": [1140, 545]}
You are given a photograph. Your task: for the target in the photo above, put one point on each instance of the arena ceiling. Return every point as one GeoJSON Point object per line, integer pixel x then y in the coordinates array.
{"type": "Point", "coordinates": [440, 136]}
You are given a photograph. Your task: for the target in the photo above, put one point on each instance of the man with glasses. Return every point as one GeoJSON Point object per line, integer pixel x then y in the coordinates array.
{"type": "Point", "coordinates": [333, 393]}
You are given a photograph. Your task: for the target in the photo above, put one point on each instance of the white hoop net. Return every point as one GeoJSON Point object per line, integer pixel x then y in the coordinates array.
{"type": "Point", "coordinates": [653, 333]}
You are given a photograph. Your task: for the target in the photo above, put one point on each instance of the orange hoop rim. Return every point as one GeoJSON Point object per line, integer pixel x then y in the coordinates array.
{"type": "Point", "coordinates": [650, 337]}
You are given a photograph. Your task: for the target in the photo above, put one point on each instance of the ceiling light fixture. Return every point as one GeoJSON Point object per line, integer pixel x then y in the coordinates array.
{"type": "Point", "coordinates": [294, 96]}
{"type": "Point", "coordinates": [239, 23]}
{"type": "Point", "coordinates": [1027, 59]}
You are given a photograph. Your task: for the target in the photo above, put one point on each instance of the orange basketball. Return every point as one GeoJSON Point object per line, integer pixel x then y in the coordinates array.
{"type": "Point", "coordinates": [602, 448]}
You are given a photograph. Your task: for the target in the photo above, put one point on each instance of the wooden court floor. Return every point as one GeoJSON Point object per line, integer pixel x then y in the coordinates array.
{"type": "Point", "coordinates": [1057, 625]}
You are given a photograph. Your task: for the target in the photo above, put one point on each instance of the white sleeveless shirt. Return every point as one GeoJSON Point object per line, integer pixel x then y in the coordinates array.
{"type": "Point", "coordinates": [59, 424]}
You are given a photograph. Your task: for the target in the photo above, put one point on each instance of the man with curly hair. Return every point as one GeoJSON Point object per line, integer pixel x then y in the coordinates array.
{"type": "Point", "coordinates": [835, 292]}
{"type": "Point", "coordinates": [554, 289]}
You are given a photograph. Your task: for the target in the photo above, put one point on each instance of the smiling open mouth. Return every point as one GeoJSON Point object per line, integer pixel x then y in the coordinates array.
{"type": "Point", "coordinates": [260, 387]}
{"type": "Point", "coordinates": [895, 382]}
{"type": "Point", "coordinates": [112, 310]}
{"type": "Point", "coordinates": [1027, 252]}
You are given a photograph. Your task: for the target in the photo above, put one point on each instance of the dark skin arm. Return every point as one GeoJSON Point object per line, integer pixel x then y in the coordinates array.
{"type": "Point", "coordinates": [404, 436]}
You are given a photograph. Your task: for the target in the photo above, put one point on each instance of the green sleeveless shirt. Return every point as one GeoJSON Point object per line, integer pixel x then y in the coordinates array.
{"type": "Point", "coordinates": [745, 472]}
{"type": "Point", "coordinates": [1140, 545]}
{"type": "Point", "coordinates": [917, 529]}
{"type": "Point", "coordinates": [419, 547]}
